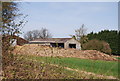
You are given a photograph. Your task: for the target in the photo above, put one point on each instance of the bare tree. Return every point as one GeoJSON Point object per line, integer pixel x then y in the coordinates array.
{"type": "Point", "coordinates": [12, 23]}
{"type": "Point", "coordinates": [34, 34]}
{"type": "Point", "coordinates": [44, 33]}
{"type": "Point", "coordinates": [28, 36]}
{"type": "Point", "coordinates": [80, 32]}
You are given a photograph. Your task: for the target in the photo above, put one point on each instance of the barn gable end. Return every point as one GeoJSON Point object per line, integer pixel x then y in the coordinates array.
{"type": "Point", "coordinates": [72, 43]}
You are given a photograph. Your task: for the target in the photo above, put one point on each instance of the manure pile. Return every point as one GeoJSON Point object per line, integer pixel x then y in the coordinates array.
{"type": "Point", "coordinates": [34, 49]}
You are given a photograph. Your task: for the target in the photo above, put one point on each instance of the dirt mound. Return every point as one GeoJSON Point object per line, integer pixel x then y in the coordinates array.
{"type": "Point", "coordinates": [59, 52]}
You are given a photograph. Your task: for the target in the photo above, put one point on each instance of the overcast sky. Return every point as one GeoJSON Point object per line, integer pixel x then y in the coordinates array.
{"type": "Point", "coordinates": [62, 18]}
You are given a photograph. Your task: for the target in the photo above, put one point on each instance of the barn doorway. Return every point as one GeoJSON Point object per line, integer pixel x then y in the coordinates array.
{"type": "Point", "coordinates": [72, 45]}
{"type": "Point", "coordinates": [61, 45]}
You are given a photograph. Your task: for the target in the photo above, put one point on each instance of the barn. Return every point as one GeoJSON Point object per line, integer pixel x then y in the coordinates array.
{"type": "Point", "coordinates": [58, 42]}
{"type": "Point", "coordinates": [15, 40]}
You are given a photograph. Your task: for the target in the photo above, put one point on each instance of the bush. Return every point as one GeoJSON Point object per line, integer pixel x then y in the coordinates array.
{"type": "Point", "coordinates": [97, 45]}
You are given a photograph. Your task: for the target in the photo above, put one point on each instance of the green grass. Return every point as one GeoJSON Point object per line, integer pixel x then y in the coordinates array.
{"type": "Point", "coordinates": [118, 58]}
{"type": "Point", "coordinates": [109, 68]}
{"type": "Point", "coordinates": [27, 67]}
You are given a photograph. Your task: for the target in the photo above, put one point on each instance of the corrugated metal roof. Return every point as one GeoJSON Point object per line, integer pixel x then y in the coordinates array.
{"type": "Point", "coordinates": [54, 40]}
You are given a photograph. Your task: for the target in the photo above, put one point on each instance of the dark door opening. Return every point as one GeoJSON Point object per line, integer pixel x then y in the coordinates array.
{"type": "Point", "coordinates": [72, 45]}
{"type": "Point", "coordinates": [61, 45]}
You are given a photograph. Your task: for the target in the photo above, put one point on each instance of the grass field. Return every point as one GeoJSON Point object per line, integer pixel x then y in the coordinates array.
{"type": "Point", "coordinates": [109, 68]}
{"type": "Point", "coordinates": [35, 67]}
{"type": "Point", "coordinates": [18, 67]}
{"type": "Point", "coordinates": [118, 58]}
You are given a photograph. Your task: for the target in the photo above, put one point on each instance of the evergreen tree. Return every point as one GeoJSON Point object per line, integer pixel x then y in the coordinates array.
{"type": "Point", "coordinates": [109, 36]}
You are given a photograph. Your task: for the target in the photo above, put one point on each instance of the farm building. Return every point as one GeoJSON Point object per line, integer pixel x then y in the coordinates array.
{"type": "Point", "coordinates": [15, 40]}
{"type": "Point", "coordinates": [58, 42]}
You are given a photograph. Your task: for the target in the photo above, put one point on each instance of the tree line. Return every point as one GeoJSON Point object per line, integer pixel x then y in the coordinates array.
{"type": "Point", "coordinates": [106, 41]}
{"type": "Point", "coordinates": [109, 36]}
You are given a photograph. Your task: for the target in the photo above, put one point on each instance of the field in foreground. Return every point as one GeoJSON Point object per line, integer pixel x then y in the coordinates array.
{"type": "Point", "coordinates": [34, 67]}
{"type": "Point", "coordinates": [109, 68]}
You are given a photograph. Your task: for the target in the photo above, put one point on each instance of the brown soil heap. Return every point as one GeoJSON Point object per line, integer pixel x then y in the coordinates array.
{"type": "Point", "coordinates": [34, 49]}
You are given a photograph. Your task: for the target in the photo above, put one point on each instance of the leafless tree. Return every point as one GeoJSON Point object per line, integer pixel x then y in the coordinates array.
{"type": "Point", "coordinates": [80, 32]}
{"type": "Point", "coordinates": [44, 33]}
{"type": "Point", "coordinates": [34, 34]}
{"type": "Point", "coordinates": [28, 36]}
{"type": "Point", "coordinates": [12, 21]}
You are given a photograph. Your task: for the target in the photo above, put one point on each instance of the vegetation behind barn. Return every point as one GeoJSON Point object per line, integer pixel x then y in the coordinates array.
{"type": "Point", "coordinates": [110, 36]}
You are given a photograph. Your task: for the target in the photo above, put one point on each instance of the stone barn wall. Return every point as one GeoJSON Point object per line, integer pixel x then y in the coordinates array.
{"type": "Point", "coordinates": [72, 41]}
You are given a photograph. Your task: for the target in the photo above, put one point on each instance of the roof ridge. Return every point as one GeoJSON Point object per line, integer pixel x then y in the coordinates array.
{"type": "Point", "coordinates": [53, 39]}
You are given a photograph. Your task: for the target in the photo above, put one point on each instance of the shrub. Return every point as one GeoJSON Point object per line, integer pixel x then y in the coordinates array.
{"type": "Point", "coordinates": [97, 45]}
